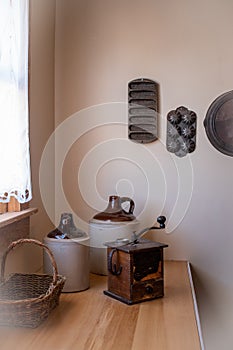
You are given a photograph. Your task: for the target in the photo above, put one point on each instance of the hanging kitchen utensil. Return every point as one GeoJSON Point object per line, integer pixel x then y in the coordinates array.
{"type": "Point", "coordinates": [142, 110]}
{"type": "Point", "coordinates": [181, 131]}
{"type": "Point", "coordinates": [218, 123]}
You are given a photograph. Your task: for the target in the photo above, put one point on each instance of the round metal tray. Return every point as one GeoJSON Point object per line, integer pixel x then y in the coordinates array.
{"type": "Point", "coordinates": [218, 123]}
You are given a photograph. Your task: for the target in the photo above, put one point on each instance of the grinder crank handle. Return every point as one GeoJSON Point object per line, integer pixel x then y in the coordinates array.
{"type": "Point", "coordinates": [161, 221]}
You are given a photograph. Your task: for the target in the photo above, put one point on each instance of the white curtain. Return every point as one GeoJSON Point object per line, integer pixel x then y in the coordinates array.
{"type": "Point", "coordinates": [15, 179]}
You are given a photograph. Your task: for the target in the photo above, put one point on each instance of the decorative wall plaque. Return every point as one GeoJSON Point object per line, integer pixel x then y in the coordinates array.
{"type": "Point", "coordinates": [181, 131]}
{"type": "Point", "coordinates": [218, 123]}
{"type": "Point", "coordinates": [142, 110]}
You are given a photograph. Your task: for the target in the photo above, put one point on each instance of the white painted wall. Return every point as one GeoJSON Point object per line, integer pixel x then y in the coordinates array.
{"type": "Point", "coordinates": [186, 47]}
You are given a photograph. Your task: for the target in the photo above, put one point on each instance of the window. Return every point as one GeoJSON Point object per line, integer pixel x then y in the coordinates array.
{"type": "Point", "coordinates": [15, 179]}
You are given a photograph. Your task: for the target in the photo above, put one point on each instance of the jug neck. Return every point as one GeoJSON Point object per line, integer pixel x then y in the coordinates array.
{"type": "Point", "coordinates": [114, 204]}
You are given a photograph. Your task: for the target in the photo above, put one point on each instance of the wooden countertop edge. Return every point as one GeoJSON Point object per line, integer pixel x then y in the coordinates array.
{"type": "Point", "coordinates": [195, 305]}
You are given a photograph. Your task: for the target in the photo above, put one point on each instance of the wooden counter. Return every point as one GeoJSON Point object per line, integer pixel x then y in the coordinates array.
{"type": "Point", "coordinates": [92, 320]}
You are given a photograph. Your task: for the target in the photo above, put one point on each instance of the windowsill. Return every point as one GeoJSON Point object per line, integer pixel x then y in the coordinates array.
{"type": "Point", "coordinates": [10, 218]}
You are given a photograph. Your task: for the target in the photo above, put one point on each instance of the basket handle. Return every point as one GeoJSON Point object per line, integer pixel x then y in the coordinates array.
{"type": "Point", "coordinates": [38, 243]}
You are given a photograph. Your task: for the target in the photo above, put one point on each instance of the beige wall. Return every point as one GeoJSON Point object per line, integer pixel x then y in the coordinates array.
{"type": "Point", "coordinates": [185, 47]}
{"type": "Point", "coordinates": [42, 31]}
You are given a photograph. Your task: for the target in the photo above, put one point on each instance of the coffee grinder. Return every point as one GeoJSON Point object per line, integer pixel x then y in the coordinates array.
{"type": "Point", "coordinates": [136, 267]}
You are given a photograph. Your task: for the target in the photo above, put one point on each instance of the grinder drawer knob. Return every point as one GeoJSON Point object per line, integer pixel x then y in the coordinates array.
{"type": "Point", "coordinates": [149, 289]}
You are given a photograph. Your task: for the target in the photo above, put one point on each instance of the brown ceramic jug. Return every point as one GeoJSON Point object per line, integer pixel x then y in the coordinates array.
{"type": "Point", "coordinates": [113, 223]}
{"type": "Point", "coordinates": [115, 212]}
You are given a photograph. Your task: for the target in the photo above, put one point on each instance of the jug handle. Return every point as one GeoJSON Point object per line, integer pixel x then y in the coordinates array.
{"type": "Point", "coordinates": [131, 204]}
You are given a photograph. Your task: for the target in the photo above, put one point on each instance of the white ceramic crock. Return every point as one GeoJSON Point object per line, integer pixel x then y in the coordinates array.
{"type": "Point", "coordinates": [102, 232]}
{"type": "Point", "coordinates": [73, 261]}
{"type": "Point", "coordinates": [107, 226]}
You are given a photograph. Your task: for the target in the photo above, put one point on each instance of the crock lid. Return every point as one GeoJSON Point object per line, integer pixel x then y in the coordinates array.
{"type": "Point", "coordinates": [115, 212]}
{"type": "Point", "coordinates": [114, 217]}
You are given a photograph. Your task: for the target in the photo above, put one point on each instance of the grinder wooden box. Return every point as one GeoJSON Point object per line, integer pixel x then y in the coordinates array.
{"type": "Point", "coordinates": [135, 271]}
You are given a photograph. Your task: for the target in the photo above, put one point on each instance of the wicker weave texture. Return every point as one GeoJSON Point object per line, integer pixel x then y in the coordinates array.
{"type": "Point", "coordinates": [27, 299]}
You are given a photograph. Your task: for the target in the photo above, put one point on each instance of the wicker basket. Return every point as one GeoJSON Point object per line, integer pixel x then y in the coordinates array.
{"type": "Point", "coordinates": [27, 299]}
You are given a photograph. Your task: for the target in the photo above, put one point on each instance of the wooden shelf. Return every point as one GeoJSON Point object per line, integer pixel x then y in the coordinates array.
{"type": "Point", "coordinates": [92, 320]}
{"type": "Point", "coordinates": [11, 217]}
